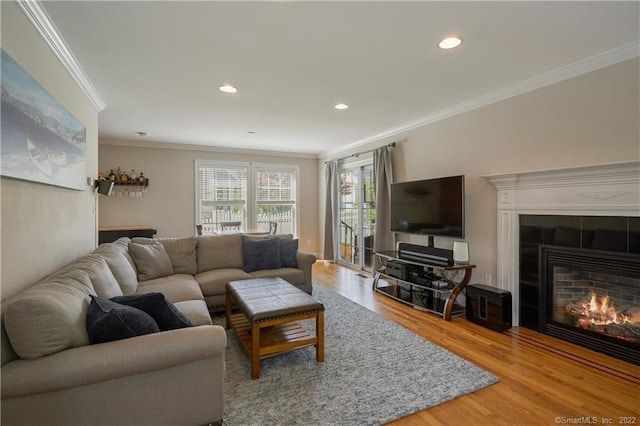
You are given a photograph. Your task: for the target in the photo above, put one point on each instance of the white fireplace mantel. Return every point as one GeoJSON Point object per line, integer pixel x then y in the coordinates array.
{"type": "Point", "coordinates": [601, 190]}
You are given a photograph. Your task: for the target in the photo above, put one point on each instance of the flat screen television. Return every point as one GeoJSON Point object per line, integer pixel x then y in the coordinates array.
{"type": "Point", "coordinates": [432, 207]}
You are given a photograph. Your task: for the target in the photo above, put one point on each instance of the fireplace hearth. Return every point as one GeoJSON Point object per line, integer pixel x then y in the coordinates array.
{"type": "Point", "coordinates": [592, 298]}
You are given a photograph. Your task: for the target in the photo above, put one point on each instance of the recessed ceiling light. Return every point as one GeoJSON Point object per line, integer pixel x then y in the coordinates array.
{"type": "Point", "coordinates": [227, 88]}
{"type": "Point", "coordinates": [142, 134]}
{"type": "Point", "coordinates": [341, 106]}
{"type": "Point", "coordinates": [450, 43]}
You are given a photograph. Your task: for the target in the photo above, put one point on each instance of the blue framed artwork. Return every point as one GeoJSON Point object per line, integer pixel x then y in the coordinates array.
{"type": "Point", "coordinates": [41, 140]}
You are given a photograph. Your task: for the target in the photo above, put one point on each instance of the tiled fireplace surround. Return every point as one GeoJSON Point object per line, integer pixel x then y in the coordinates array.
{"type": "Point", "coordinates": [601, 190]}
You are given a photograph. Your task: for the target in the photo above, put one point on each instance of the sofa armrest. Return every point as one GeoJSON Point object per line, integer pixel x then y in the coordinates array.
{"type": "Point", "coordinates": [92, 364]}
{"type": "Point", "coordinates": [305, 261]}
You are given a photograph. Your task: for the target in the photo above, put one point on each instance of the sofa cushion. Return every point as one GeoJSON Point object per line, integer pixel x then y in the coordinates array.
{"type": "Point", "coordinates": [219, 251]}
{"type": "Point", "coordinates": [260, 254]}
{"type": "Point", "coordinates": [213, 282]}
{"type": "Point", "coordinates": [122, 268]}
{"type": "Point", "coordinates": [152, 260]}
{"type": "Point", "coordinates": [196, 311]}
{"type": "Point", "coordinates": [292, 275]}
{"type": "Point", "coordinates": [288, 252]}
{"type": "Point", "coordinates": [102, 279]}
{"type": "Point", "coordinates": [181, 251]}
{"type": "Point", "coordinates": [163, 312]}
{"type": "Point", "coordinates": [108, 321]}
{"type": "Point", "coordinates": [176, 288]}
{"type": "Point", "coordinates": [50, 316]}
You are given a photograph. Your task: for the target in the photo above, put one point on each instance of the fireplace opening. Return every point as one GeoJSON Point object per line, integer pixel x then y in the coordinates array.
{"type": "Point", "coordinates": [592, 299]}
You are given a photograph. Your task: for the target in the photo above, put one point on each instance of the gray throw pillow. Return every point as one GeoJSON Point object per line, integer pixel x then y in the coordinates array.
{"type": "Point", "coordinates": [108, 321]}
{"type": "Point", "coordinates": [152, 260]}
{"type": "Point", "coordinates": [288, 252]}
{"type": "Point", "coordinates": [163, 312]}
{"type": "Point", "coordinates": [260, 254]}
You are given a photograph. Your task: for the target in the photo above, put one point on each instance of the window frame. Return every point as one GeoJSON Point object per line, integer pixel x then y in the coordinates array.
{"type": "Point", "coordinates": [251, 202]}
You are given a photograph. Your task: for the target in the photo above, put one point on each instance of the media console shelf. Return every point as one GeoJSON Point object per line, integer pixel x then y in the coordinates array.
{"type": "Point", "coordinates": [428, 284]}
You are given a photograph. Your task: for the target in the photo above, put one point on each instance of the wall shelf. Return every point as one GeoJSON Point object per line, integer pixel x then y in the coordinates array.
{"type": "Point", "coordinates": [133, 182]}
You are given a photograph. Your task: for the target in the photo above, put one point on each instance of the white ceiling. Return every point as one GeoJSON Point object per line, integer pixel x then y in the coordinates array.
{"type": "Point", "coordinates": [158, 65]}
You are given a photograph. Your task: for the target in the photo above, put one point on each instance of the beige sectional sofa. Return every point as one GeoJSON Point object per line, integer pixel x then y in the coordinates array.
{"type": "Point", "coordinates": [52, 375]}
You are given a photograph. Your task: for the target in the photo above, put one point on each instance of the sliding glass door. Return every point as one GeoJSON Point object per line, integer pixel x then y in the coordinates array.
{"type": "Point", "coordinates": [356, 212]}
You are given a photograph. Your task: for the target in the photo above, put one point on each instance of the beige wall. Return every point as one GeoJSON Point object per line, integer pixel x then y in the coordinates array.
{"type": "Point", "coordinates": [44, 227]}
{"type": "Point", "coordinates": [169, 204]}
{"type": "Point", "coordinates": [590, 119]}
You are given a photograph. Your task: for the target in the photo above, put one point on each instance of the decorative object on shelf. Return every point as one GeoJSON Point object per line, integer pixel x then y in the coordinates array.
{"type": "Point", "coordinates": [103, 187]}
{"type": "Point", "coordinates": [127, 185]}
{"type": "Point", "coordinates": [460, 252]}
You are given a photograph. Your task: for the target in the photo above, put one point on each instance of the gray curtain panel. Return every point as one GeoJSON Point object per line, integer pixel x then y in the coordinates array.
{"type": "Point", "coordinates": [331, 208]}
{"type": "Point", "coordinates": [383, 174]}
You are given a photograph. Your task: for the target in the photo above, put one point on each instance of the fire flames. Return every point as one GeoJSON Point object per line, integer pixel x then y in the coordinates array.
{"type": "Point", "coordinates": [600, 311]}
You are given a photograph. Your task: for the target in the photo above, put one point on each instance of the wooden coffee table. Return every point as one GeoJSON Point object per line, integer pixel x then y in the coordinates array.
{"type": "Point", "coordinates": [267, 324]}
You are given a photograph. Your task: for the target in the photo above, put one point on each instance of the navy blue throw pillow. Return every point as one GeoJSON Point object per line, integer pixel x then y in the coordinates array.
{"type": "Point", "coordinates": [108, 321]}
{"type": "Point", "coordinates": [288, 251]}
{"type": "Point", "coordinates": [164, 313]}
{"type": "Point", "coordinates": [259, 254]}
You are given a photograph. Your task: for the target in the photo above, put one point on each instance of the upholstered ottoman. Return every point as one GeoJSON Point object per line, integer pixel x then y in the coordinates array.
{"type": "Point", "coordinates": [267, 324]}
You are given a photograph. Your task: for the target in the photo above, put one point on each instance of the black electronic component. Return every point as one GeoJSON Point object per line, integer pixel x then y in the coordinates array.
{"type": "Point", "coordinates": [489, 307]}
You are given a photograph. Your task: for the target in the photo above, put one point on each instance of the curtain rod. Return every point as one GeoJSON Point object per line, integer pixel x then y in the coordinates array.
{"type": "Point", "coordinates": [357, 154]}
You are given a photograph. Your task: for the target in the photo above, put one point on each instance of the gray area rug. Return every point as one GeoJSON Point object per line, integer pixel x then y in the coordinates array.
{"type": "Point", "coordinates": [375, 371]}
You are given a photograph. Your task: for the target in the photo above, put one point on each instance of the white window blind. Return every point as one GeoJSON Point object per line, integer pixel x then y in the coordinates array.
{"type": "Point", "coordinates": [258, 196]}
{"type": "Point", "coordinates": [275, 186]}
{"type": "Point", "coordinates": [219, 184]}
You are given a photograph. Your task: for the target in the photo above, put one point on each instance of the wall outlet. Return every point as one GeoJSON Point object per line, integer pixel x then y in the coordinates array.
{"type": "Point", "coordinates": [488, 279]}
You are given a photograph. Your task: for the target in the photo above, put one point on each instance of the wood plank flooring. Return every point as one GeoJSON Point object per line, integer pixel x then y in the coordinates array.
{"type": "Point", "coordinates": [543, 380]}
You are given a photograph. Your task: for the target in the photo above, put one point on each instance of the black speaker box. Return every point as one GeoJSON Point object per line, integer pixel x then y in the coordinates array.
{"type": "Point", "coordinates": [489, 307]}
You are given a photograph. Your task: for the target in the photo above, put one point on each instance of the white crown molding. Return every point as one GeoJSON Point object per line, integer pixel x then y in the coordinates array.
{"type": "Point", "coordinates": [41, 21]}
{"type": "Point", "coordinates": [575, 69]}
{"type": "Point", "coordinates": [203, 148]}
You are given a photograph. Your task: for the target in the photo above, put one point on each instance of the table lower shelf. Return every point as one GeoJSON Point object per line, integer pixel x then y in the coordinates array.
{"type": "Point", "coordinates": [421, 301]}
{"type": "Point", "coordinates": [275, 339]}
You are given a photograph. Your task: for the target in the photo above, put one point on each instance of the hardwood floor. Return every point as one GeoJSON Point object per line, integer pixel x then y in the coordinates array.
{"type": "Point", "coordinates": [543, 381]}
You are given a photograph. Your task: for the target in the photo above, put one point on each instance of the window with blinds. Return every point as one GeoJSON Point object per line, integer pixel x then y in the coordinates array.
{"type": "Point", "coordinates": [262, 198]}
{"type": "Point", "coordinates": [276, 200]}
{"type": "Point", "coordinates": [222, 196]}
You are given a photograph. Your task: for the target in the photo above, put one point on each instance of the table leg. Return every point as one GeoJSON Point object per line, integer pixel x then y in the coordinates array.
{"type": "Point", "coordinates": [228, 302]}
{"type": "Point", "coordinates": [320, 336]}
{"type": "Point", "coordinates": [255, 351]}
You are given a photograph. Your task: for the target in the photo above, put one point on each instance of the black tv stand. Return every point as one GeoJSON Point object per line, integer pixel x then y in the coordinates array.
{"type": "Point", "coordinates": [423, 277]}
